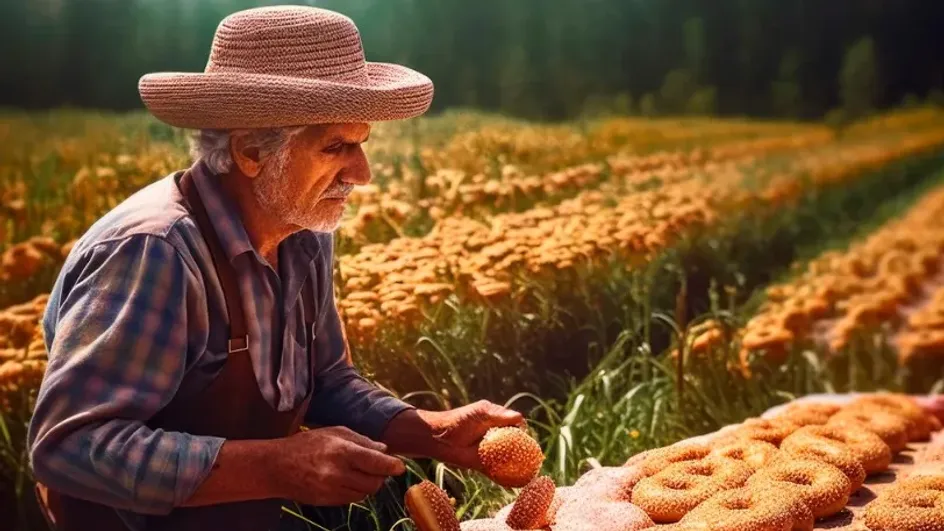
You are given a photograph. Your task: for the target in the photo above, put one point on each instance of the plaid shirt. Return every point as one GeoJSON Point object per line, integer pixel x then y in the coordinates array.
{"type": "Point", "coordinates": [130, 325]}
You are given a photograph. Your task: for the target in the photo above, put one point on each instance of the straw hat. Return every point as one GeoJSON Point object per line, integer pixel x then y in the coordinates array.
{"type": "Point", "coordinates": [282, 66]}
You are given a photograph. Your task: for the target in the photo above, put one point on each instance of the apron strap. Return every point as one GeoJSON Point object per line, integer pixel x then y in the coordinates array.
{"type": "Point", "coordinates": [239, 338]}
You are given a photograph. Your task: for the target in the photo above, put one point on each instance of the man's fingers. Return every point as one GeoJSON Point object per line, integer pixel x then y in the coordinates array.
{"type": "Point", "coordinates": [374, 463]}
{"type": "Point", "coordinates": [501, 417]}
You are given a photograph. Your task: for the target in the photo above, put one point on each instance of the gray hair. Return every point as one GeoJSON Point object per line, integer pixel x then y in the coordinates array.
{"type": "Point", "coordinates": [212, 145]}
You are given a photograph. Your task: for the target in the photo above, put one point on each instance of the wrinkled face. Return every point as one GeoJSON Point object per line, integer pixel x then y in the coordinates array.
{"type": "Point", "coordinates": [306, 184]}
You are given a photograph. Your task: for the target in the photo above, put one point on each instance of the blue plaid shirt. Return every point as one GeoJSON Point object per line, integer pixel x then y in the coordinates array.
{"type": "Point", "coordinates": [130, 324]}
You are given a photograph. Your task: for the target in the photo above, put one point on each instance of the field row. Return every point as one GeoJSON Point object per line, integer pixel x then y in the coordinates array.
{"type": "Point", "coordinates": [388, 285]}
{"type": "Point", "coordinates": [887, 288]}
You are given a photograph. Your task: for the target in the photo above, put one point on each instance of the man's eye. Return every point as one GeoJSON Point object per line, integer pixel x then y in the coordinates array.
{"type": "Point", "coordinates": [334, 148]}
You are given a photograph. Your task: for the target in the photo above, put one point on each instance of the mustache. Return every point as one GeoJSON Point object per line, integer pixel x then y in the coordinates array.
{"type": "Point", "coordinates": [338, 191]}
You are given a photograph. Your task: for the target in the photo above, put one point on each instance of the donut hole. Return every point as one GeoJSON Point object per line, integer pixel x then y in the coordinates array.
{"type": "Point", "coordinates": [737, 504]}
{"type": "Point", "coordinates": [735, 453]}
{"type": "Point", "coordinates": [677, 483]}
{"type": "Point", "coordinates": [702, 470]}
{"type": "Point", "coordinates": [798, 479]}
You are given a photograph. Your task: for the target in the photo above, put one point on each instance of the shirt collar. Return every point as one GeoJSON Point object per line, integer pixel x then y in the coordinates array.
{"type": "Point", "coordinates": [227, 222]}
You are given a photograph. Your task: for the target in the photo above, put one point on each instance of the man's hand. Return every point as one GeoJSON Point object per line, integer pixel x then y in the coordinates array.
{"type": "Point", "coordinates": [332, 466]}
{"type": "Point", "coordinates": [448, 436]}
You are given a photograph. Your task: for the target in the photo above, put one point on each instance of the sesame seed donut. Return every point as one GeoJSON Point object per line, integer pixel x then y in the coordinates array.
{"type": "Point", "coordinates": [821, 486]}
{"type": "Point", "coordinates": [835, 454]}
{"type": "Point", "coordinates": [891, 427]}
{"type": "Point", "coordinates": [510, 457]}
{"type": "Point", "coordinates": [773, 430]}
{"type": "Point", "coordinates": [611, 483]}
{"type": "Point", "coordinates": [809, 414]}
{"type": "Point", "coordinates": [868, 448]}
{"type": "Point", "coordinates": [918, 421]}
{"type": "Point", "coordinates": [530, 510]}
{"type": "Point", "coordinates": [906, 510]}
{"type": "Point", "coordinates": [746, 509]}
{"type": "Point", "coordinates": [669, 495]}
{"type": "Point", "coordinates": [755, 454]}
{"type": "Point", "coordinates": [929, 483]}
{"type": "Point", "coordinates": [430, 508]}
{"type": "Point", "coordinates": [661, 458]}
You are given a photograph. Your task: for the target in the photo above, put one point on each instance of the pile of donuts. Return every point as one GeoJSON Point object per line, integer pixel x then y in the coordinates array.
{"type": "Point", "coordinates": [782, 473]}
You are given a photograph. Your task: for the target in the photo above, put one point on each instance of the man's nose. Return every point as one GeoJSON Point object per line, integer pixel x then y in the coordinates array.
{"type": "Point", "coordinates": [358, 171]}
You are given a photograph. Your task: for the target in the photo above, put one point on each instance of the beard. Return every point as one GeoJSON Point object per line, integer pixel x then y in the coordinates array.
{"type": "Point", "coordinates": [273, 191]}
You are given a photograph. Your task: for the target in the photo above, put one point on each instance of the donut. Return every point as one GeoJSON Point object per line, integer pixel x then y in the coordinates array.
{"type": "Point", "coordinates": [531, 508]}
{"type": "Point", "coordinates": [821, 486]}
{"type": "Point", "coordinates": [773, 430]}
{"type": "Point", "coordinates": [808, 413]}
{"type": "Point", "coordinates": [747, 509]}
{"type": "Point", "coordinates": [891, 427]}
{"type": "Point", "coordinates": [583, 513]}
{"type": "Point", "coordinates": [835, 454]}
{"type": "Point", "coordinates": [929, 483]}
{"type": "Point", "coordinates": [755, 454]}
{"type": "Point", "coordinates": [919, 427]}
{"type": "Point", "coordinates": [802, 417]}
{"type": "Point", "coordinates": [611, 483]}
{"type": "Point", "coordinates": [906, 510]}
{"type": "Point", "coordinates": [510, 457]}
{"type": "Point", "coordinates": [661, 458]}
{"type": "Point", "coordinates": [430, 508]}
{"type": "Point", "coordinates": [868, 448]}
{"type": "Point", "coordinates": [667, 496]}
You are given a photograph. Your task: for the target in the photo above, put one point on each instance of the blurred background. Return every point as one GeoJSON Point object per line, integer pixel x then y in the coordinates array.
{"type": "Point", "coordinates": [546, 59]}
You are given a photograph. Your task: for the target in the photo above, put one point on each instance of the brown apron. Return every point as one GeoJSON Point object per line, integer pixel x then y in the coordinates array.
{"type": "Point", "coordinates": [231, 407]}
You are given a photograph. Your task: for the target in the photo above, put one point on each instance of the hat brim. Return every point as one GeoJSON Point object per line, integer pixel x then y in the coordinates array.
{"type": "Point", "coordinates": [246, 100]}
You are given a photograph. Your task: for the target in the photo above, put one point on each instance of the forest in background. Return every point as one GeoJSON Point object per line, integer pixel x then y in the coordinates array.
{"type": "Point", "coordinates": [539, 59]}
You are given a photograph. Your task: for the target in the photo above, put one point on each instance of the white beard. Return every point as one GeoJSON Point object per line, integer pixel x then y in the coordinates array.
{"type": "Point", "coordinates": [271, 191]}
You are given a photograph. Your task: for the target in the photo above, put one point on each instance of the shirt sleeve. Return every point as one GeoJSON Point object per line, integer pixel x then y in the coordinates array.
{"type": "Point", "coordinates": [342, 397]}
{"type": "Point", "coordinates": [118, 326]}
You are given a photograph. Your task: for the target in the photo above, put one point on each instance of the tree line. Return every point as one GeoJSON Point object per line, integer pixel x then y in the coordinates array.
{"type": "Point", "coordinates": [542, 59]}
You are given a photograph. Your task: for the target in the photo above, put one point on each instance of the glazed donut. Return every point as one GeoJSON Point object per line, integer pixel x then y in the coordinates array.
{"type": "Point", "coordinates": [821, 486]}
{"type": "Point", "coordinates": [755, 454]}
{"type": "Point", "coordinates": [835, 454]}
{"type": "Point", "coordinates": [906, 510]}
{"type": "Point", "coordinates": [919, 424]}
{"type": "Point", "coordinates": [868, 448]}
{"type": "Point", "coordinates": [773, 431]}
{"type": "Point", "coordinates": [661, 458]}
{"type": "Point", "coordinates": [669, 495]}
{"type": "Point", "coordinates": [611, 483]}
{"type": "Point", "coordinates": [746, 509]}
{"type": "Point", "coordinates": [530, 510]}
{"type": "Point", "coordinates": [891, 427]}
{"type": "Point", "coordinates": [430, 508]}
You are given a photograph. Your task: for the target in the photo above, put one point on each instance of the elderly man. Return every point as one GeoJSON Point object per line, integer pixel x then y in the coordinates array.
{"type": "Point", "coordinates": [193, 328]}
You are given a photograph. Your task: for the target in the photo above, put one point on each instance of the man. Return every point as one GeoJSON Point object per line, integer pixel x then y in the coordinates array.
{"type": "Point", "coordinates": [193, 328]}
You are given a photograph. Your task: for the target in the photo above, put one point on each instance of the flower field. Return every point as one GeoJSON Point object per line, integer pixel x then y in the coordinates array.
{"type": "Point", "coordinates": [628, 282]}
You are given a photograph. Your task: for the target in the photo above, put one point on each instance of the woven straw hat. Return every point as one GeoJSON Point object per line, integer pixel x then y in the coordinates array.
{"type": "Point", "coordinates": [284, 66]}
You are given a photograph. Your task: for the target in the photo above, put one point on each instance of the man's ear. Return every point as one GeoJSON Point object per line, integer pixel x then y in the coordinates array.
{"type": "Point", "coordinates": [247, 158]}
